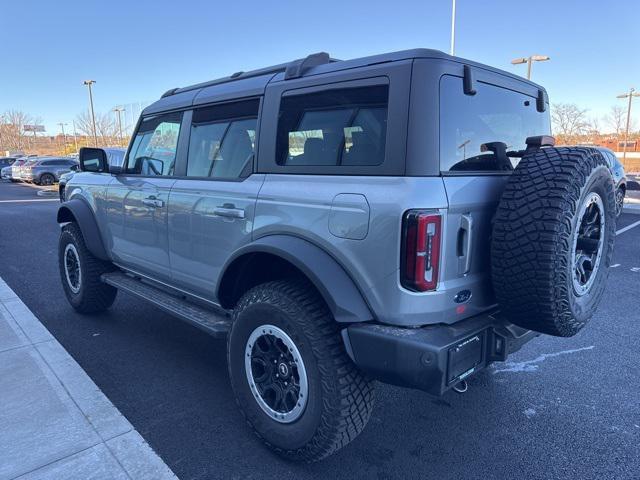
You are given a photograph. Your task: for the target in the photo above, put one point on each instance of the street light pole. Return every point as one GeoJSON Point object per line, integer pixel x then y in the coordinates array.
{"type": "Point", "coordinates": [118, 111]}
{"type": "Point", "coordinates": [64, 137]}
{"type": "Point", "coordinates": [88, 83]}
{"type": "Point", "coordinates": [75, 136]}
{"type": "Point", "coordinates": [453, 28]}
{"type": "Point", "coordinates": [632, 93]}
{"type": "Point", "coordinates": [529, 61]}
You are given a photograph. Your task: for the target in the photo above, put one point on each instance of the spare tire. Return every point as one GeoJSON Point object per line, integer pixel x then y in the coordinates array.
{"type": "Point", "coordinates": [553, 238]}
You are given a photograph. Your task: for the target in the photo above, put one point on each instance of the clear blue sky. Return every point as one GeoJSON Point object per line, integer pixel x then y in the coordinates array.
{"type": "Point", "coordinates": [137, 49]}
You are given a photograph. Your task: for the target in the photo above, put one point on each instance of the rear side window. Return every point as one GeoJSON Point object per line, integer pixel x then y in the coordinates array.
{"type": "Point", "coordinates": [477, 130]}
{"type": "Point", "coordinates": [222, 140]}
{"type": "Point", "coordinates": [153, 151]}
{"type": "Point", "coordinates": [342, 127]}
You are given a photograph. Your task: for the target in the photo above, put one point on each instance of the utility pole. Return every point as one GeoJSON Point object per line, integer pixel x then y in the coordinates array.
{"type": "Point", "coordinates": [529, 61]}
{"type": "Point", "coordinates": [632, 93]}
{"type": "Point", "coordinates": [75, 136]}
{"type": "Point", "coordinates": [88, 83]}
{"type": "Point", "coordinates": [64, 136]}
{"type": "Point", "coordinates": [453, 28]}
{"type": "Point", "coordinates": [118, 111]}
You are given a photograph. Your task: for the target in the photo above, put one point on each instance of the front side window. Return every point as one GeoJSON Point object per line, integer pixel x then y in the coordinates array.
{"type": "Point", "coordinates": [477, 131]}
{"type": "Point", "coordinates": [222, 141]}
{"type": "Point", "coordinates": [342, 127]}
{"type": "Point", "coordinates": [153, 151]}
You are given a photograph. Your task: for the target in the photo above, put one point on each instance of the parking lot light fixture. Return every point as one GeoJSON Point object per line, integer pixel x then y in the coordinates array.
{"type": "Point", "coordinates": [632, 93]}
{"type": "Point", "coordinates": [88, 83]}
{"type": "Point", "coordinates": [529, 61]}
{"type": "Point", "coordinates": [118, 111]}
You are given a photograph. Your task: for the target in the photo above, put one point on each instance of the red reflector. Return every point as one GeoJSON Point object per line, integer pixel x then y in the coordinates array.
{"type": "Point", "coordinates": [421, 250]}
{"type": "Point", "coordinates": [461, 309]}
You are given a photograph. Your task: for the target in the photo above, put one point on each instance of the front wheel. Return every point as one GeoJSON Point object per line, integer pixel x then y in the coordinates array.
{"type": "Point", "coordinates": [293, 381]}
{"type": "Point", "coordinates": [80, 273]}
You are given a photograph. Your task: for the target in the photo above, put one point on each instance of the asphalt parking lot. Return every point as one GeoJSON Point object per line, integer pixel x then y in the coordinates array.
{"type": "Point", "coordinates": [560, 408]}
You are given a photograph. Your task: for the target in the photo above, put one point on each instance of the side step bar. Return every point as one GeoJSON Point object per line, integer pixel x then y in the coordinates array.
{"type": "Point", "coordinates": [212, 322]}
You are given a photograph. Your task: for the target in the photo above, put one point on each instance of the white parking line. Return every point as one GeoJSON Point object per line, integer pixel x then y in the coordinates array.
{"type": "Point", "coordinates": [31, 200]}
{"type": "Point", "coordinates": [628, 227]}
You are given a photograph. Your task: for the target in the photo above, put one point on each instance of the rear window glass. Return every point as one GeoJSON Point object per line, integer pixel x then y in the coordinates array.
{"type": "Point", "coordinates": [341, 127]}
{"type": "Point", "coordinates": [477, 131]}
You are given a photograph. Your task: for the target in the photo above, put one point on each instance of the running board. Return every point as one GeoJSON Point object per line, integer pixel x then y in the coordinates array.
{"type": "Point", "coordinates": [214, 323]}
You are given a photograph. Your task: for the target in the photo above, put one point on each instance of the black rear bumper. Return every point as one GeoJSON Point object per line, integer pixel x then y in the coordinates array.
{"type": "Point", "coordinates": [436, 357]}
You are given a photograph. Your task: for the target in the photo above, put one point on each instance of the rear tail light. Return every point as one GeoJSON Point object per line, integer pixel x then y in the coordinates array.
{"type": "Point", "coordinates": [420, 257]}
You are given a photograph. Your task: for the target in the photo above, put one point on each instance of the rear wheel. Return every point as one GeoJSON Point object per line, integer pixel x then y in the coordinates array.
{"type": "Point", "coordinates": [47, 179]}
{"type": "Point", "coordinates": [553, 239]}
{"type": "Point", "coordinates": [293, 381]}
{"type": "Point", "coordinates": [619, 201]}
{"type": "Point", "coordinates": [80, 273]}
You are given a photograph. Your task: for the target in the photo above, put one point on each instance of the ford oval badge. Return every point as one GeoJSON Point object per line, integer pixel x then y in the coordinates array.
{"type": "Point", "coordinates": [462, 296]}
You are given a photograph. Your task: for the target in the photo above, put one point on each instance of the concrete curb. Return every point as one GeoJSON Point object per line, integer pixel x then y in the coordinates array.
{"type": "Point", "coordinates": [55, 422]}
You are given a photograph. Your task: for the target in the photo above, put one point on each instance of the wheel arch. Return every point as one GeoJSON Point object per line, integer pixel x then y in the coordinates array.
{"type": "Point", "coordinates": [278, 256]}
{"type": "Point", "coordinates": [79, 212]}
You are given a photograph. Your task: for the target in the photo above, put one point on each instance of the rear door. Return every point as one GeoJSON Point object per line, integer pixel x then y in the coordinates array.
{"type": "Point", "coordinates": [476, 132]}
{"type": "Point", "coordinates": [212, 204]}
{"type": "Point", "coordinates": [137, 199]}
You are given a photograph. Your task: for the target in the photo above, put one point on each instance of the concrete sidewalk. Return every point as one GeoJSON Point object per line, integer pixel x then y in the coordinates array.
{"type": "Point", "coordinates": [55, 423]}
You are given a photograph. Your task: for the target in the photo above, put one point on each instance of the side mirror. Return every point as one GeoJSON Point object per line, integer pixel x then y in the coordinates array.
{"type": "Point", "coordinates": [93, 160]}
{"type": "Point", "coordinates": [74, 168]}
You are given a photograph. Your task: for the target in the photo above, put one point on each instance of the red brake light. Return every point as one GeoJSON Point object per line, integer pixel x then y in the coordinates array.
{"type": "Point", "coordinates": [421, 250]}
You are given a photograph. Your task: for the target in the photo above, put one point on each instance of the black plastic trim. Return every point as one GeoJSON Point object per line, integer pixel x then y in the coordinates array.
{"type": "Point", "coordinates": [344, 299]}
{"type": "Point", "coordinates": [76, 210]}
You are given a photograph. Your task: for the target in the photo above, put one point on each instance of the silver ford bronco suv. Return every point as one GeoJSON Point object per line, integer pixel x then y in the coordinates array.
{"type": "Point", "coordinates": [403, 217]}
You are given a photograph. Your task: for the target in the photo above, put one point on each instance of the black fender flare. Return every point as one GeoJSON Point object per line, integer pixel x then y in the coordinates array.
{"type": "Point", "coordinates": [78, 211]}
{"type": "Point", "coordinates": [342, 296]}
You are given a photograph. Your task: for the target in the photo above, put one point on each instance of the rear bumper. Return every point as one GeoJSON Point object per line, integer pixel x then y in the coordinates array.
{"type": "Point", "coordinates": [433, 358]}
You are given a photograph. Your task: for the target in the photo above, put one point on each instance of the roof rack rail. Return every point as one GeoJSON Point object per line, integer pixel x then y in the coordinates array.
{"type": "Point", "coordinates": [294, 69]}
{"type": "Point", "coordinates": [297, 68]}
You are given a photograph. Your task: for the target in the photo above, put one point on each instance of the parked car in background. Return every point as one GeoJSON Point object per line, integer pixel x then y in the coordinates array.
{"type": "Point", "coordinates": [15, 168]}
{"type": "Point", "coordinates": [115, 156]}
{"type": "Point", "coordinates": [5, 173]}
{"type": "Point", "coordinates": [619, 178]}
{"type": "Point", "coordinates": [46, 170]}
{"type": "Point", "coordinates": [5, 167]}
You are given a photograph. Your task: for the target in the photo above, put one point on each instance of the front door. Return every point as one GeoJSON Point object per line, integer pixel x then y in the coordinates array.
{"type": "Point", "coordinates": [138, 199]}
{"type": "Point", "coordinates": [211, 210]}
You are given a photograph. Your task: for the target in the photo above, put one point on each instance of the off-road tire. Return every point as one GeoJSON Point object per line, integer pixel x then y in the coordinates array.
{"type": "Point", "coordinates": [340, 397]}
{"type": "Point", "coordinates": [93, 295]}
{"type": "Point", "coordinates": [532, 247]}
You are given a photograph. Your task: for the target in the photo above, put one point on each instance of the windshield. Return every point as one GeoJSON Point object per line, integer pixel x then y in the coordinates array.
{"type": "Point", "coordinates": [477, 131]}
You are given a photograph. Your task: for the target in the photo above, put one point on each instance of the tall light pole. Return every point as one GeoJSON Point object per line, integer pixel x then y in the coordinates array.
{"type": "Point", "coordinates": [632, 93]}
{"type": "Point", "coordinates": [75, 136]}
{"type": "Point", "coordinates": [88, 83]}
{"type": "Point", "coordinates": [529, 61]}
{"type": "Point", "coordinates": [118, 111]}
{"type": "Point", "coordinates": [453, 28]}
{"type": "Point", "coordinates": [64, 136]}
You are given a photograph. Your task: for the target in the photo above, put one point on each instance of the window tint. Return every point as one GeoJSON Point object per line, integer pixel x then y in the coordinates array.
{"type": "Point", "coordinates": [477, 130]}
{"type": "Point", "coordinates": [333, 128]}
{"type": "Point", "coordinates": [222, 140]}
{"type": "Point", "coordinates": [153, 151]}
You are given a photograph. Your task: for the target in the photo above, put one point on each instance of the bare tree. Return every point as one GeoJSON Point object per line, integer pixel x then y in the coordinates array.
{"type": "Point", "coordinates": [12, 134]}
{"type": "Point", "coordinates": [106, 128]}
{"type": "Point", "coordinates": [569, 122]}
{"type": "Point", "coordinates": [616, 119]}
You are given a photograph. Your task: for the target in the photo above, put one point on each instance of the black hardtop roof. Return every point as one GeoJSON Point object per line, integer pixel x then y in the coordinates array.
{"type": "Point", "coordinates": [313, 64]}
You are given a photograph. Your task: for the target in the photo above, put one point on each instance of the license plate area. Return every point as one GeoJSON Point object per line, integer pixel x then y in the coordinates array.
{"type": "Point", "coordinates": [465, 357]}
